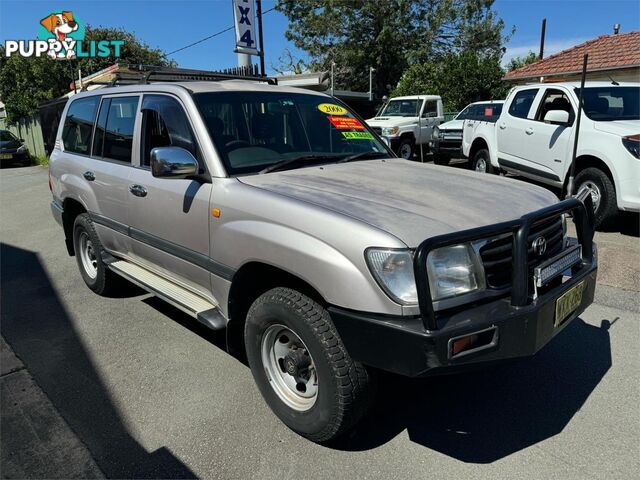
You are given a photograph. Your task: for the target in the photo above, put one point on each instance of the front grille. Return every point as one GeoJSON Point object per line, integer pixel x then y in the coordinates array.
{"type": "Point", "coordinates": [496, 255]}
{"type": "Point", "coordinates": [378, 130]}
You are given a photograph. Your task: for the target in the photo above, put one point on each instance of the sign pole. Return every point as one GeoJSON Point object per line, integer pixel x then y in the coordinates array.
{"type": "Point", "coordinates": [260, 38]}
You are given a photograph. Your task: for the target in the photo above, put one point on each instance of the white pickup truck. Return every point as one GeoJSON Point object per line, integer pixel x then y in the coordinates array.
{"type": "Point", "coordinates": [535, 134]}
{"type": "Point", "coordinates": [407, 122]}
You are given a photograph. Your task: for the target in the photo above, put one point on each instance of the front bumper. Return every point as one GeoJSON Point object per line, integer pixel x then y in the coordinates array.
{"type": "Point", "coordinates": [402, 345]}
{"type": "Point", "coordinates": [451, 147]}
{"type": "Point", "coordinates": [513, 326]}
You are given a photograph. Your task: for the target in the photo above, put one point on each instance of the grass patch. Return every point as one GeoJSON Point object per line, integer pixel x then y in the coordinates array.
{"type": "Point", "coordinates": [41, 160]}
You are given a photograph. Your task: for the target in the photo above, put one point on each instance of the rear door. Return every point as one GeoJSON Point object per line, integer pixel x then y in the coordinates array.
{"type": "Point", "coordinates": [169, 218]}
{"type": "Point", "coordinates": [514, 127]}
{"type": "Point", "coordinates": [100, 177]}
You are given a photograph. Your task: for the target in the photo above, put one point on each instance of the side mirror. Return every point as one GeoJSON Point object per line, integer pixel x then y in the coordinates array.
{"type": "Point", "coordinates": [173, 162]}
{"type": "Point", "coordinates": [557, 117]}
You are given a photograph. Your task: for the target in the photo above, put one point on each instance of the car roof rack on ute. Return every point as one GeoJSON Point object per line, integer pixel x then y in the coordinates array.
{"type": "Point", "coordinates": [143, 75]}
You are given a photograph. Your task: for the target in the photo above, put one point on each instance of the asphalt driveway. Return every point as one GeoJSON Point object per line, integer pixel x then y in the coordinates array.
{"type": "Point", "coordinates": [152, 394]}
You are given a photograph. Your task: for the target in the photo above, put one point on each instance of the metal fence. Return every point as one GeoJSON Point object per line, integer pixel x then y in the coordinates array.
{"type": "Point", "coordinates": [29, 130]}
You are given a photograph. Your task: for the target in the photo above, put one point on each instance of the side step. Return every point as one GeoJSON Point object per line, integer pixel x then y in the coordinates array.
{"type": "Point", "coordinates": [201, 309]}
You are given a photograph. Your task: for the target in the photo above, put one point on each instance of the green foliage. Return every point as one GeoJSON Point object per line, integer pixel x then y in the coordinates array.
{"type": "Point", "coordinates": [42, 160]}
{"type": "Point", "coordinates": [519, 62]}
{"type": "Point", "coordinates": [27, 82]}
{"type": "Point", "coordinates": [389, 35]}
{"type": "Point", "coordinates": [459, 78]}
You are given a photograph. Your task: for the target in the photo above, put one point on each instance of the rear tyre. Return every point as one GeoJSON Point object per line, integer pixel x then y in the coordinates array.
{"type": "Point", "coordinates": [301, 366]}
{"type": "Point", "coordinates": [603, 193]}
{"type": "Point", "coordinates": [406, 149]}
{"type": "Point", "coordinates": [89, 255]}
{"type": "Point", "coordinates": [482, 162]}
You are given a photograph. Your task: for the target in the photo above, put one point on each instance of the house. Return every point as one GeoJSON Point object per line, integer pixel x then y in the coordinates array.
{"type": "Point", "coordinates": [615, 56]}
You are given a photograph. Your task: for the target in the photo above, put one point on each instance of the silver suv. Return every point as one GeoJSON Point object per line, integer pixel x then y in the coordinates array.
{"type": "Point", "coordinates": [278, 214]}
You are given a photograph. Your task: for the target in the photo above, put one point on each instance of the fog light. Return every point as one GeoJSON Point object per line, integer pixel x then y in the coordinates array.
{"type": "Point", "coordinates": [473, 342]}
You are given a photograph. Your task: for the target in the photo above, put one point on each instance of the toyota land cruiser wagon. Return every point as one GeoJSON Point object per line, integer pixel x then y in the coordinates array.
{"type": "Point", "coordinates": [279, 215]}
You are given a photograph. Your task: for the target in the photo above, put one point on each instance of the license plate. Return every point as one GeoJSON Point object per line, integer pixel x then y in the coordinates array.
{"type": "Point", "coordinates": [5, 156]}
{"type": "Point", "coordinates": [567, 303]}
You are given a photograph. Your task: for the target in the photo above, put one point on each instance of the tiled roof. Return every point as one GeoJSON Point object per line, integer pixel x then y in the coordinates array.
{"type": "Point", "coordinates": [605, 52]}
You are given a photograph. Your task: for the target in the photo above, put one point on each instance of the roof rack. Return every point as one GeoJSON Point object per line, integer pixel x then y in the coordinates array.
{"type": "Point", "coordinates": [130, 77]}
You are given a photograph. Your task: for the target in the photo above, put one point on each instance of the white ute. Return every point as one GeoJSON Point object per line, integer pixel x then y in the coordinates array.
{"type": "Point", "coordinates": [407, 122]}
{"type": "Point", "coordinates": [535, 135]}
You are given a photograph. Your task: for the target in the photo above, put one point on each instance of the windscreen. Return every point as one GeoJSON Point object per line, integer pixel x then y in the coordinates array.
{"type": "Point", "coordinates": [611, 103]}
{"type": "Point", "coordinates": [6, 136]}
{"type": "Point", "coordinates": [255, 130]}
{"type": "Point", "coordinates": [402, 108]}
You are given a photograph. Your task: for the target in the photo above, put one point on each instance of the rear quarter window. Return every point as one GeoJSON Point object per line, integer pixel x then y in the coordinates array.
{"type": "Point", "coordinates": [78, 125]}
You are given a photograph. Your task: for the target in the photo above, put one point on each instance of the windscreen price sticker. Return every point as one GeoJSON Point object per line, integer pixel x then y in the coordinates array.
{"type": "Point", "coordinates": [332, 109]}
{"type": "Point", "coordinates": [357, 135]}
{"type": "Point", "coordinates": [346, 123]}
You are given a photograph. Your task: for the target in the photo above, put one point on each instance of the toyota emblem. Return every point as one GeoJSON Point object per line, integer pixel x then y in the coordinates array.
{"type": "Point", "coordinates": [539, 246]}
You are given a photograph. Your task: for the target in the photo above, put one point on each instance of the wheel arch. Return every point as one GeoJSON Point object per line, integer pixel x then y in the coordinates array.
{"type": "Point", "coordinates": [478, 144]}
{"type": "Point", "coordinates": [72, 208]}
{"type": "Point", "coordinates": [249, 282]}
{"type": "Point", "coordinates": [591, 161]}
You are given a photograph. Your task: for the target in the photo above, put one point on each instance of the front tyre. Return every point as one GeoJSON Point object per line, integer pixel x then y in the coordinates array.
{"type": "Point", "coordinates": [406, 149]}
{"type": "Point", "coordinates": [301, 366]}
{"type": "Point", "coordinates": [482, 162]}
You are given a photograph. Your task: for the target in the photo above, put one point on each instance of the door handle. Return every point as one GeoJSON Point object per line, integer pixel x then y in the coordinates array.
{"type": "Point", "coordinates": [503, 126]}
{"type": "Point", "coordinates": [529, 131]}
{"type": "Point", "coordinates": [89, 176]}
{"type": "Point", "coordinates": [138, 190]}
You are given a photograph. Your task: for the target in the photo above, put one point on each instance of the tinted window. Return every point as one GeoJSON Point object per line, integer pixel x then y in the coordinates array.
{"type": "Point", "coordinates": [554, 100]}
{"type": "Point", "coordinates": [78, 126]}
{"type": "Point", "coordinates": [7, 136]}
{"type": "Point", "coordinates": [98, 136]}
{"type": "Point", "coordinates": [254, 130]}
{"type": "Point", "coordinates": [118, 137]}
{"type": "Point", "coordinates": [164, 124]}
{"type": "Point", "coordinates": [431, 108]}
{"type": "Point", "coordinates": [611, 103]}
{"type": "Point", "coordinates": [480, 110]}
{"type": "Point", "coordinates": [521, 103]}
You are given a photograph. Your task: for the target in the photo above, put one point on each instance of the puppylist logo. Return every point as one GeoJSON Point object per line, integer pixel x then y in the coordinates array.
{"type": "Point", "coordinates": [61, 36]}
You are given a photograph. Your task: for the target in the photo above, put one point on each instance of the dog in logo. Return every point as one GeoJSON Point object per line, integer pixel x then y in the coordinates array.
{"type": "Point", "coordinates": [60, 25]}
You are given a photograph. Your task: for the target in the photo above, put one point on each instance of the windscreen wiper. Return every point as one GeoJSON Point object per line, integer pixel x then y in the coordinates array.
{"type": "Point", "coordinates": [363, 156]}
{"type": "Point", "coordinates": [290, 162]}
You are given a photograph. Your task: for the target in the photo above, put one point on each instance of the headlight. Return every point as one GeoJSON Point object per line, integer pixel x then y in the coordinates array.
{"type": "Point", "coordinates": [454, 271]}
{"type": "Point", "coordinates": [632, 143]}
{"type": "Point", "coordinates": [393, 270]}
{"type": "Point", "coordinates": [21, 149]}
{"type": "Point", "coordinates": [390, 131]}
{"type": "Point", "coordinates": [436, 133]}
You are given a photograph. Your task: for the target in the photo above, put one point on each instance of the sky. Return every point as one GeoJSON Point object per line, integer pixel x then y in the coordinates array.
{"type": "Point", "coordinates": [172, 24]}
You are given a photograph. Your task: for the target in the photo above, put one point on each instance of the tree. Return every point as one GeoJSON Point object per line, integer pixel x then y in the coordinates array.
{"type": "Point", "coordinates": [289, 64]}
{"type": "Point", "coordinates": [25, 83]}
{"type": "Point", "coordinates": [460, 78]}
{"type": "Point", "coordinates": [389, 35]}
{"type": "Point", "coordinates": [519, 62]}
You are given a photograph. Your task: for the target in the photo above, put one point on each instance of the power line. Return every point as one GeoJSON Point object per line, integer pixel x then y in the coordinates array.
{"type": "Point", "coordinates": [211, 36]}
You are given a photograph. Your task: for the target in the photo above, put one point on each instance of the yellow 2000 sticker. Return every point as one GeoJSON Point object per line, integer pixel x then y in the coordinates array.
{"type": "Point", "coordinates": [332, 109]}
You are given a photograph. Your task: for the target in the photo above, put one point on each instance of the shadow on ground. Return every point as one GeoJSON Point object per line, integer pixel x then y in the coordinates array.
{"type": "Point", "coordinates": [484, 416]}
{"type": "Point", "coordinates": [36, 325]}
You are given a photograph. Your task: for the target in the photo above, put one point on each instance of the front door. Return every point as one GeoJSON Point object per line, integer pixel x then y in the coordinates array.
{"type": "Point", "coordinates": [427, 120]}
{"type": "Point", "coordinates": [169, 218]}
{"type": "Point", "coordinates": [549, 145]}
{"type": "Point", "coordinates": [514, 128]}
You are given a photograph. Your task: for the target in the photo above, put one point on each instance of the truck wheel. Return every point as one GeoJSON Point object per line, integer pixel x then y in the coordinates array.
{"type": "Point", "coordinates": [89, 255]}
{"type": "Point", "coordinates": [406, 149]}
{"type": "Point", "coordinates": [482, 162]}
{"type": "Point", "coordinates": [603, 193]}
{"type": "Point", "coordinates": [301, 366]}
